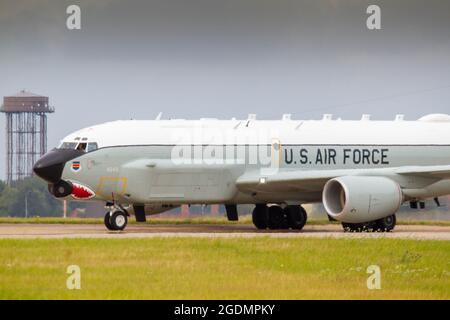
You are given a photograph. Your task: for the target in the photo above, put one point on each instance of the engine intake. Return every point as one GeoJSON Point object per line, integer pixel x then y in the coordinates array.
{"type": "Point", "coordinates": [356, 199]}
{"type": "Point", "coordinates": [61, 188]}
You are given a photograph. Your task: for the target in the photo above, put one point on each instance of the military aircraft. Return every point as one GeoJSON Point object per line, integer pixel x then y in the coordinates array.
{"type": "Point", "coordinates": [362, 171]}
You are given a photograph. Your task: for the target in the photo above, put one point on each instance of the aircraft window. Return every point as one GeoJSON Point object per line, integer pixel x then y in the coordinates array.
{"type": "Point", "coordinates": [92, 146]}
{"type": "Point", "coordinates": [68, 145]}
{"type": "Point", "coordinates": [82, 146]}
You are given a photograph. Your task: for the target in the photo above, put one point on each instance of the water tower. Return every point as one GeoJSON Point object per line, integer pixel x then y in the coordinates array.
{"type": "Point", "coordinates": [26, 132]}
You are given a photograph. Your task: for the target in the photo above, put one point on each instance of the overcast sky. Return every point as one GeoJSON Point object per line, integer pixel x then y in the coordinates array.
{"type": "Point", "coordinates": [225, 58]}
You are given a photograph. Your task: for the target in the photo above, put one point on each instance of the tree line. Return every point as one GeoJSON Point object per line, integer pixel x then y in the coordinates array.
{"type": "Point", "coordinates": [30, 192]}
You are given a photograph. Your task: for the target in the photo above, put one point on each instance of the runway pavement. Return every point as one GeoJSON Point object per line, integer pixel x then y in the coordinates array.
{"type": "Point", "coordinates": [51, 231]}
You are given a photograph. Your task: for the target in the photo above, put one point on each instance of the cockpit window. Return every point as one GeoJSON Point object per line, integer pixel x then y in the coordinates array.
{"type": "Point", "coordinates": [68, 145]}
{"type": "Point", "coordinates": [92, 146]}
{"type": "Point", "coordinates": [82, 146]}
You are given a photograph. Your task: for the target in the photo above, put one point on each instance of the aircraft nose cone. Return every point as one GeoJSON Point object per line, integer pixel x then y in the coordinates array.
{"type": "Point", "coordinates": [50, 166]}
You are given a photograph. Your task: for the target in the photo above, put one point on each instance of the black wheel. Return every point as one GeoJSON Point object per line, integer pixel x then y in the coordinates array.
{"type": "Point", "coordinates": [107, 221]}
{"type": "Point", "coordinates": [386, 224]}
{"type": "Point", "coordinates": [260, 216]}
{"type": "Point", "coordinates": [354, 227]}
{"type": "Point", "coordinates": [118, 220]}
{"type": "Point", "coordinates": [296, 217]}
{"type": "Point", "coordinates": [277, 218]}
{"type": "Point", "coordinates": [370, 226]}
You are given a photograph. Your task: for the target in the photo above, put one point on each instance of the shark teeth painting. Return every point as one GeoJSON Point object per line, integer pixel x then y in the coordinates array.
{"type": "Point", "coordinates": [80, 191]}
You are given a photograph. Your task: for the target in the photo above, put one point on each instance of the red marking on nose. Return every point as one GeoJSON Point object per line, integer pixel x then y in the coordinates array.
{"type": "Point", "coordinates": [81, 192]}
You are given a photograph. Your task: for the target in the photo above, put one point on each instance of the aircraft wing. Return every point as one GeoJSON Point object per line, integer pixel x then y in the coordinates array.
{"type": "Point", "coordinates": [298, 180]}
{"type": "Point", "coordinates": [314, 180]}
{"type": "Point", "coordinates": [439, 172]}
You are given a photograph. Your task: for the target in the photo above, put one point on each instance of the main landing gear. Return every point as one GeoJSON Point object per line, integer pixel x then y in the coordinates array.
{"type": "Point", "coordinates": [116, 219]}
{"type": "Point", "coordinates": [381, 225]}
{"type": "Point", "coordinates": [275, 217]}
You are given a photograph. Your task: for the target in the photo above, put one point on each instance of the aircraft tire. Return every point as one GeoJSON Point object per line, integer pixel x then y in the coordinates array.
{"type": "Point", "coordinates": [296, 217]}
{"type": "Point", "coordinates": [354, 227]}
{"type": "Point", "coordinates": [107, 221]}
{"type": "Point", "coordinates": [386, 224]}
{"type": "Point", "coordinates": [370, 226]}
{"type": "Point", "coordinates": [118, 220]}
{"type": "Point", "coordinates": [277, 218]}
{"type": "Point", "coordinates": [260, 216]}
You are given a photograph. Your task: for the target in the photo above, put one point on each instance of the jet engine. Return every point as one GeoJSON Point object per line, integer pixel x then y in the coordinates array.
{"type": "Point", "coordinates": [357, 199]}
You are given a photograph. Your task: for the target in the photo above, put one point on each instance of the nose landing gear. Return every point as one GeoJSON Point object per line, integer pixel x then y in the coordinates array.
{"type": "Point", "coordinates": [116, 219]}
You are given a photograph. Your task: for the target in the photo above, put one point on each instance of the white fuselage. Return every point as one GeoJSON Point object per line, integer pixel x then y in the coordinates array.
{"type": "Point", "coordinates": [201, 161]}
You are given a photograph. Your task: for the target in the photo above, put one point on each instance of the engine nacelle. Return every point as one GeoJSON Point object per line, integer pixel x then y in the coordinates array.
{"type": "Point", "coordinates": [356, 199]}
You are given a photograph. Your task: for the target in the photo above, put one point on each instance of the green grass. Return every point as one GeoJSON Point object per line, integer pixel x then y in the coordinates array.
{"type": "Point", "coordinates": [192, 220]}
{"type": "Point", "coordinates": [241, 268]}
